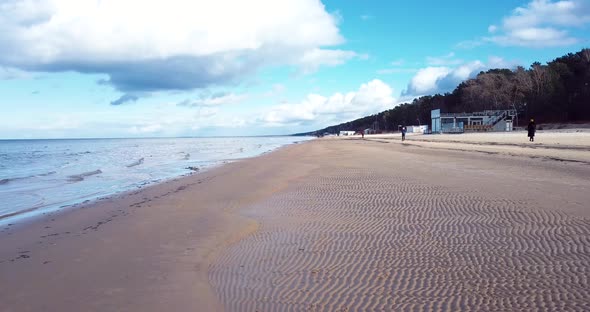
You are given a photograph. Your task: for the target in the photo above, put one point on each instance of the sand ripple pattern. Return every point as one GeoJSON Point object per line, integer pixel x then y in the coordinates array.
{"type": "Point", "coordinates": [361, 241]}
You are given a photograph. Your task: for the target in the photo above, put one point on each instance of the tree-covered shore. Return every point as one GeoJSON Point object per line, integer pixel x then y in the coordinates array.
{"type": "Point", "coordinates": [556, 92]}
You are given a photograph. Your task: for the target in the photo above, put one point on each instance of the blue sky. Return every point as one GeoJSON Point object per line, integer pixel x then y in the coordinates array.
{"type": "Point", "coordinates": [89, 68]}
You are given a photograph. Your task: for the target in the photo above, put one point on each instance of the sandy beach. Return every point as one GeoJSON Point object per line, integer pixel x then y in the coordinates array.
{"type": "Point", "coordinates": [468, 223]}
{"type": "Point", "coordinates": [564, 145]}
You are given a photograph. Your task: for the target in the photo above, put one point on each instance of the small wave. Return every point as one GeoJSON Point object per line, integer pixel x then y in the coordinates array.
{"type": "Point", "coordinates": [78, 153]}
{"type": "Point", "coordinates": [185, 155]}
{"type": "Point", "coordinates": [46, 174]}
{"type": "Point", "coordinates": [135, 163]}
{"type": "Point", "coordinates": [7, 180]}
{"type": "Point", "coordinates": [81, 176]}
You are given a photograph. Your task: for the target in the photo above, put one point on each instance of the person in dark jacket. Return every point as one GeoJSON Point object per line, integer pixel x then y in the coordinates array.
{"type": "Point", "coordinates": [404, 133]}
{"type": "Point", "coordinates": [532, 127]}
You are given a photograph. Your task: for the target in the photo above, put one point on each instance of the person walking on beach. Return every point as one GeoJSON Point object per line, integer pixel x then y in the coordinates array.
{"type": "Point", "coordinates": [531, 129]}
{"type": "Point", "coordinates": [404, 133]}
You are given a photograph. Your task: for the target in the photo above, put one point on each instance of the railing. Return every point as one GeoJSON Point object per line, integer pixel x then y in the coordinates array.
{"type": "Point", "coordinates": [510, 112]}
{"type": "Point", "coordinates": [499, 118]}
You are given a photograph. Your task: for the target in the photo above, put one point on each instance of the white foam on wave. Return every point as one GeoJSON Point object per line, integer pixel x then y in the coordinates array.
{"type": "Point", "coordinates": [136, 163]}
{"type": "Point", "coordinates": [81, 176]}
{"type": "Point", "coordinates": [8, 180]}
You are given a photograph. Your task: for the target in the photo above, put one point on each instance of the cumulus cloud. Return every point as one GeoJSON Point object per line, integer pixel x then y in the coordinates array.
{"type": "Point", "coordinates": [426, 80]}
{"type": "Point", "coordinates": [371, 97]}
{"type": "Point", "coordinates": [167, 45]}
{"type": "Point", "coordinates": [541, 23]}
{"type": "Point", "coordinates": [440, 79]}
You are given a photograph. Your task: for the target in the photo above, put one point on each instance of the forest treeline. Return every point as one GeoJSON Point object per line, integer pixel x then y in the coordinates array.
{"type": "Point", "coordinates": [557, 92]}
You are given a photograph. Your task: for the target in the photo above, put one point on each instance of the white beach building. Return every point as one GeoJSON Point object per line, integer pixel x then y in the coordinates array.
{"type": "Point", "coordinates": [489, 120]}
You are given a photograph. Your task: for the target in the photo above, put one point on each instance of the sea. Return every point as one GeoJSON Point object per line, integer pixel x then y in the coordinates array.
{"type": "Point", "coordinates": [41, 176]}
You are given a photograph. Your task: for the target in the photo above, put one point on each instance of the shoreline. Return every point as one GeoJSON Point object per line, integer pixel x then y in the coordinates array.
{"type": "Point", "coordinates": [324, 216]}
{"type": "Point", "coordinates": [142, 231]}
{"type": "Point", "coordinates": [87, 202]}
{"type": "Point", "coordinates": [31, 214]}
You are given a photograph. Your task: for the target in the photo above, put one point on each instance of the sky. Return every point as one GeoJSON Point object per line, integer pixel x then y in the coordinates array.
{"type": "Point", "coordinates": [134, 68]}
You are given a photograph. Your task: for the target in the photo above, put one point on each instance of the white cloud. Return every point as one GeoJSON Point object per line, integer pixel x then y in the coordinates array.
{"type": "Point", "coordinates": [311, 60]}
{"type": "Point", "coordinates": [431, 80]}
{"type": "Point", "coordinates": [559, 13]}
{"type": "Point", "coordinates": [535, 37]}
{"type": "Point", "coordinates": [156, 119]}
{"type": "Point", "coordinates": [214, 99]}
{"type": "Point", "coordinates": [541, 23]}
{"type": "Point", "coordinates": [170, 120]}
{"type": "Point", "coordinates": [426, 80]}
{"type": "Point", "coordinates": [371, 97]}
{"type": "Point", "coordinates": [172, 44]}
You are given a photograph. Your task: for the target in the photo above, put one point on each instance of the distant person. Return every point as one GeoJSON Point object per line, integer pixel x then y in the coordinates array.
{"type": "Point", "coordinates": [362, 134]}
{"type": "Point", "coordinates": [532, 127]}
{"type": "Point", "coordinates": [404, 133]}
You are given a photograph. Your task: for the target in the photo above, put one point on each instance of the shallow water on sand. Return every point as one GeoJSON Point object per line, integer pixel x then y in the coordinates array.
{"type": "Point", "coordinates": [40, 175]}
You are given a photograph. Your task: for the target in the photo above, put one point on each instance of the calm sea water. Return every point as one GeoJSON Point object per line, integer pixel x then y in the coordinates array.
{"type": "Point", "coordinates": [41, 175]}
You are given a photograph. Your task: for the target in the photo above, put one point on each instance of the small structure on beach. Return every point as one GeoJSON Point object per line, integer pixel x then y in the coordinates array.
{"type": "Point", "coordinates": [346, 132]}
{"type": "Point", "coordinates": [489, 120]}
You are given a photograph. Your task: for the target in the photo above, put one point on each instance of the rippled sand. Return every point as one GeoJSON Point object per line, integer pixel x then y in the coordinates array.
{"type": "Point", "coordinates": [328, 225]}
{"type": "Point", "coordinates": [377, 228]}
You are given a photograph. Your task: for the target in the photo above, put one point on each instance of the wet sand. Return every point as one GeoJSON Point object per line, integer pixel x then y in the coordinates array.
{"type": "Point", "coordinates": [329, 225]}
